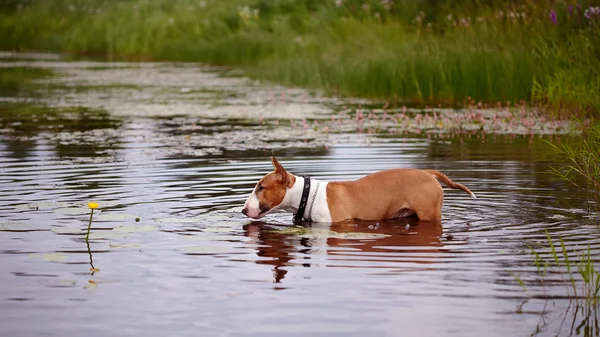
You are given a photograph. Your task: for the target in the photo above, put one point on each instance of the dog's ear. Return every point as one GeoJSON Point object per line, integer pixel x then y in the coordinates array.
{"type": "Point", "coordinates": [281, 174]}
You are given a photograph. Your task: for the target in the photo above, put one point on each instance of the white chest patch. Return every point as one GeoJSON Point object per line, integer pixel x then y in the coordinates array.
{"type": "Point", "coordinates": [317, 210]}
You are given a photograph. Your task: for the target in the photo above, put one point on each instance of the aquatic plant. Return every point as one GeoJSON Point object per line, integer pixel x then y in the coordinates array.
{"type": "Point", "coordinates": [581, 161]}
{"type": "Point", "coordinates": [579, 276]}
{"type": "Point", "coordinates": [92, 205]}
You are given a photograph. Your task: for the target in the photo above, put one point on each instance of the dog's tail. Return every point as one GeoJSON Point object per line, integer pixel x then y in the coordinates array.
{"type": "Point", "coordinates": [444, 178]}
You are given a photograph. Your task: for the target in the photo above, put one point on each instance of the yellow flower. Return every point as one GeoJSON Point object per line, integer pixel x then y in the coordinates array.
{"type": "Point", "coordinates": [92, 204]}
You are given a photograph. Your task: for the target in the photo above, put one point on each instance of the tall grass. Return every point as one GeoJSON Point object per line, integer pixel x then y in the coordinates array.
{"type": "Point", "coordinates": [427, 51]}
{"type": "Point", "coordinates": [581, 163]}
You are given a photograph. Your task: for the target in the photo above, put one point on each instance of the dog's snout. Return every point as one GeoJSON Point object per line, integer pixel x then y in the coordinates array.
{"type": "Point", "coordinates": [245, 211]}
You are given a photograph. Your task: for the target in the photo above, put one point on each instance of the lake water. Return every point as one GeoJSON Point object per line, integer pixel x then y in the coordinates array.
{"type": "Point", "coordinates": [171, 254]}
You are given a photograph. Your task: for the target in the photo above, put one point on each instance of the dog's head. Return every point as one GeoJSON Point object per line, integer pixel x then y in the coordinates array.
{"type": "Point", "coordinates": [269, 192]}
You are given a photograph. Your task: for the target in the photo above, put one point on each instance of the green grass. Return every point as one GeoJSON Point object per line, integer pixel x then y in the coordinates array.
{"type": "Point", "coordinates": [580, 277]}
{"type": "Point", "coordinates": [423, 51]}
{"type": "Point", "coordinates": [581, 161]}
{"type": "Point", "coordinates": [581, 281]}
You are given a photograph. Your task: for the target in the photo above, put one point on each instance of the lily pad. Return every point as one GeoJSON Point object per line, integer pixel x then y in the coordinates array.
{"type": "Point", "coordinates": [180, 220]}
{"type": "Point", "coordinates": [237, 209]}
{"type": "Point", "coordinates": [72, 211]}
{"type": "Point", "coordinates": [116, 217]}
{"type": "Point", "coordinates": [61, 283]}
{"type": "Point", "coordinates": [43, 205]}
{"type": "Point", "coordinates": [97, 235]}
{"type": "Point", "coordinates": [196, 219]}
{"type": "Point", "coordinates": [218, 230]}
{"type": "Point", "coordinates": [217, 237]}
{"type": "Point", "coordinates": [208, 250]}
{"type": "Point", "coordinates": [124, 245]}
{"type": "Point", "coordinates": [52, 257]}
{"type": "Point", "coordinates": [66, 230]}
{"type": "Point", "coordinates": [13, 226]}
{"type": "Point", "coordinates": [358, 236]}
{"type": "Point", "coordinates": [217, 217]}
{"type": "Point", "coordinates": [135, 229]}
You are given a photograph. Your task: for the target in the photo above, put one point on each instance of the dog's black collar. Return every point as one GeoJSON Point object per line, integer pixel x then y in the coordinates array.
{"type": "Point", "coordinates": [303, 202]}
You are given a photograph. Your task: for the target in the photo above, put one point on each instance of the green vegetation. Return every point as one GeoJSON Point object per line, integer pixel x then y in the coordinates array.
{"type": "Point", "coordinates": [545, 52]}
{"type": "Point", "coordinates": [582, 160]}
{"type": "Point", "coordinates": [582, 270]}
{"type": "Point", "coordinates": [580, 278]}
{"type": "Point", "coordinates": [17, 81]}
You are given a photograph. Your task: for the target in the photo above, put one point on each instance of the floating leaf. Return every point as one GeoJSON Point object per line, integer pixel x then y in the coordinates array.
{"type": "Point", "coordinates": [53, 257]}
{"type": "Point", "coordinates": [13, 226]}
{"type": "Point", "coordinates": [116, 217]}
{"type": "Point", "coordinates": [66, 230]}
{"type": "Point", "coordinates": [43, 205]}
{"type": "Point", "coordinates": [217, 217]}
{"type": "Point", "coordinates": [61, 283]}
{"type": "Point", "coordinates": [358, 236]}
{"type": "Point", "coordinates": [72, 211]}
{"type": "Point", "coordinates": [96, 235]}
{"type": "Point", "coordinates": [212, 237]}
{"type": "Point", "coordinates": [124, 245]}
{"type": "Point", "coordinates": [135, 229]}
{"type": "Point", "coordinates": [180, 220]}
{"type": "Point", "coordinates": [237, 209]}
{"type": "Point", "coordinates": [218, 230]}
{"type": "Point", "coordinates": [208, 250]}
{"type": "Point", "coordinates": [196, 219]}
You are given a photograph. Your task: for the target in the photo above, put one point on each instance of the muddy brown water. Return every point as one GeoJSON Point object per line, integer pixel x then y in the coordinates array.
{"type": "Point", "coordinates": [171, 254]}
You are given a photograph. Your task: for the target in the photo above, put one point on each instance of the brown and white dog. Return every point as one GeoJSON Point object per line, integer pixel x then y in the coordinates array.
{"type": "Point", "coordinates": [381, 195]}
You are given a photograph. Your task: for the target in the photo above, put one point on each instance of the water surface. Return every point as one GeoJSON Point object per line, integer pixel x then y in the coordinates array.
{"type": "Point", "coordinates": [171, 254]}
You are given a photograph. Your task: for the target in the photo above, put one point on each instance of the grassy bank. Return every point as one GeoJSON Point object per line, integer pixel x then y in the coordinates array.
{"type": "Point", "coordinates": [546, 52]}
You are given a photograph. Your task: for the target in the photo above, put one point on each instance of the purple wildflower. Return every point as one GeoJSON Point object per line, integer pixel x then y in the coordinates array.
{"type": "Point", "coordinates": [553, 17]}
{"type": "Point", "coordinates": [591, 12]}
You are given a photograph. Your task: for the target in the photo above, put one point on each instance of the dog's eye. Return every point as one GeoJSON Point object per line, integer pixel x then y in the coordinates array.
{"type": "Point", "coordinates": [260, 188]}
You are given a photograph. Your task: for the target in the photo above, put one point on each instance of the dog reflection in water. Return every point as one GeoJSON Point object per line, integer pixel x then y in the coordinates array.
{"type": "Point", "coordinates": [312, 244]}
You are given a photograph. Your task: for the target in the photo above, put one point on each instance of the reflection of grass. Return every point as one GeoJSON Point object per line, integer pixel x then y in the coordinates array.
{"type": "Point", "coordinates": [17, 81]}
{"type": "Point", "coordinates": [581, 280]}
{"type": "Point", "coordinates": [421, 50]}
{"type": "Point", "coordinates": [582, 159]}
{"type": "Point", "coordinates": [582, 270]}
